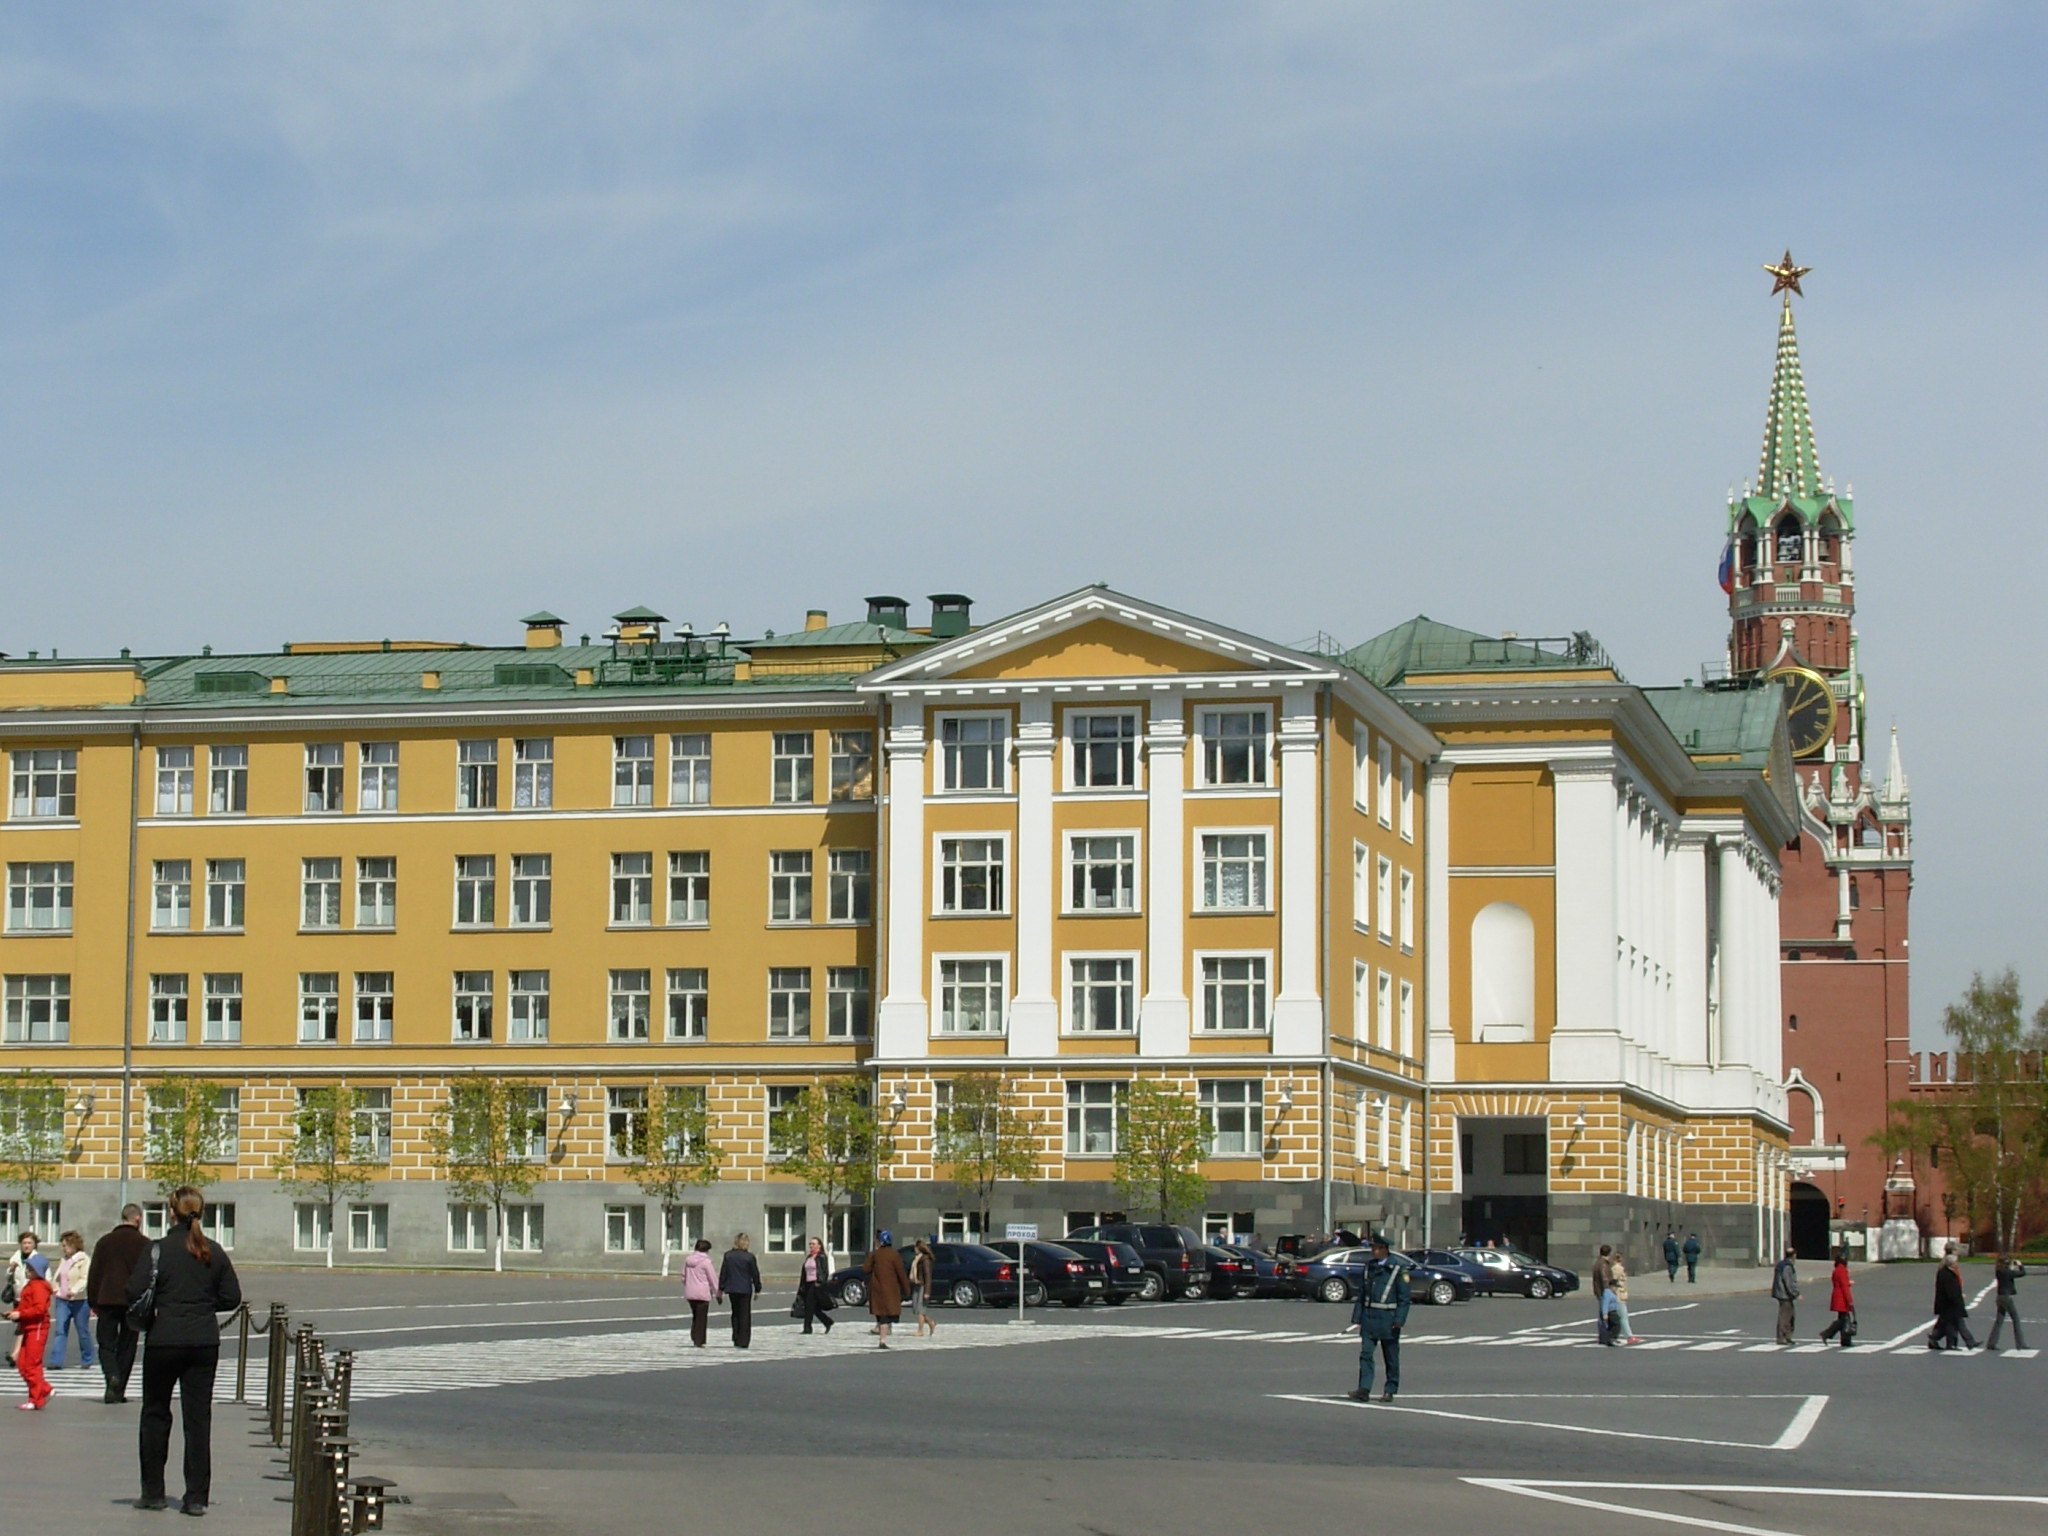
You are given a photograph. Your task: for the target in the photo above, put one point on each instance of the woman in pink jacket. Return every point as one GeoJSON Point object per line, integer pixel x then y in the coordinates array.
{"type": "Point", "coordinates": [700, 1288]}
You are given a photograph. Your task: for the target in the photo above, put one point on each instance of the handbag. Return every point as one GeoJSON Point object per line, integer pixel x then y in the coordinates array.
{"type": "Point", "coordinates": [142, 1310]}
{"type": "Point", "coordinates": [1849, 1325]}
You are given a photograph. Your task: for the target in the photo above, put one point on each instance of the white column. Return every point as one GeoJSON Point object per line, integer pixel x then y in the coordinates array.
{"type": "Point", "coordinates": [1163, 1016]}
{"type": "Point", "coordinates": [1587, 1044]}
{"type": "Point", "coordinates": [903, 1027]}
{"type": "Point", "coordinates": [1733, 1044]}
{"type": "Point", "coordinates": [1436, 927]}
{"type": "Point", "coordinates": [1035, 1009]}
{"type": "Point", "coordinates": [1298, 1008]}
{"type": "Point", "coordinates": [1770, 1055]}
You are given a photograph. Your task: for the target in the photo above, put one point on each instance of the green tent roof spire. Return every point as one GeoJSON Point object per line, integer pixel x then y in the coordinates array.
{"type": "Point", "coordinates": [1790, 465]}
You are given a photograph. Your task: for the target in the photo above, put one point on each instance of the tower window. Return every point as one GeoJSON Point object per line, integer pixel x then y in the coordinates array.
{"type": "Point", "coordinates": [1792, 1021]}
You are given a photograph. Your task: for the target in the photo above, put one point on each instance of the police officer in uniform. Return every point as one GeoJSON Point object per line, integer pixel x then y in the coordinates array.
{"type": "Point", "coordinates": [1380, 1312]}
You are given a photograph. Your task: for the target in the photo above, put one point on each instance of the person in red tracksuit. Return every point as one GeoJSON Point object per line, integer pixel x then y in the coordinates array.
{"type": "Point", "coordinates": [31, 1319]}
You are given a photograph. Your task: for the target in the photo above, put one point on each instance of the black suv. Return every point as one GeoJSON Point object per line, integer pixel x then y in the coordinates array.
{"type": "Point", "coordinates": [1126, 1268]}
{"type": "Point", "coordinates": [1176, 1260]}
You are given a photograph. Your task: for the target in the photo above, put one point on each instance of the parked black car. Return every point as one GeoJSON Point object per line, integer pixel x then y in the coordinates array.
{"type": "Point", "coordinates": [1067, 1277]}
{"type": "Point", "coordinates": [1265, 1271]}
{"type": "Point", "coordinates": [1509, 1271]}
{"type": "Point", "coordinates": [1230, 1274]}
{"type": "Point", "coordinates": [965, 1274]}
{"type": "Point", "coordinates": [1335, 1275]}
{"type": "Point", "coordinates": [1176, 1260]}
{"type": "Point", "coordinates": [1124, 1264]}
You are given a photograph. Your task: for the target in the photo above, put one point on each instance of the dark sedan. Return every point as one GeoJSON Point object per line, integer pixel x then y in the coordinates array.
{"type": "Point", "coordinates": [1059, 1273]}
{"type": "Point", "coordinates": [1230, 1274]}
{"type": "Point", "coordinates": [1265, 1271]}
{"type": "Point", "coordinates": [965, 1274]}
{"type": "Point", "coordinates": [1124, 1264]}
{"type": "Point", "coordinates": [1511, 1272]}
{"type": "Point", "coordinates": [1336, 1273]}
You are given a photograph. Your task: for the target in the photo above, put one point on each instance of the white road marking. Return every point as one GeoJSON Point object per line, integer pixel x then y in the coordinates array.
{"type": "Point", "coordinates": [1791, 1439]}
{"type": "Point", "coordinates": [1535, 1489]}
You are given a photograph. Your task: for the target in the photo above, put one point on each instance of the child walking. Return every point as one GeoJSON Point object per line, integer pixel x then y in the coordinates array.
{"type": "Point", "coordinates": [31, 1319]}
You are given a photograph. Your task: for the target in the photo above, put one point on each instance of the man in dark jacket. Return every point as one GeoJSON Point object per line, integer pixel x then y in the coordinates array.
{"type": "Point", "coordinates": [2006, 1274]}
{"type": "Point", "coordinates": [1381, 1312]}
{"type": "Point", "coordinates": [739, 1277]}
{"type": "Point", "coordinates": [1692, 1258]}
{"type": "Point", "coordinates": [1671, 1256]}
{"type": "Point", "coordinates": [1785, 1292]}
{"type": "Point", "coordinates": [113, 1261]}
{"type": "Point", "coordinates": [194, 1282]}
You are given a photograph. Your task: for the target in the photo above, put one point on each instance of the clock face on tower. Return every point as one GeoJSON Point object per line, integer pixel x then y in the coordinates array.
{"type": "Point", "coordinates": [1809, 708]}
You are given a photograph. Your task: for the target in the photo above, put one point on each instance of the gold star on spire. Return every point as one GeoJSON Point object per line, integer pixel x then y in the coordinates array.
{"type": "Point", "coordinates": [1786, 275]}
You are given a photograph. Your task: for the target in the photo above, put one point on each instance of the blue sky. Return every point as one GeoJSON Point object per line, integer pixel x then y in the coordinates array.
{"type": "Point", "coordinates": [383, 319]}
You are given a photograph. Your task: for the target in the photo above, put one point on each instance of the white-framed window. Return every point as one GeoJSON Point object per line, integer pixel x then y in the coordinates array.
{"type": "Point", "coordinates": [1234, 872]}
{"type": "Point", "coordinates": [221, 1023]}
{"type": "Point", "coordinates": [1102, 871]}
{"type": "Point", "coordinates": [1361, 887]}
{"type": "Point", "coordinates": [476, 890]}
{"type": "Point", "coordinates": [1102, 749]}
{"type": "Point", "coordinates": [689, 768]}
{"type": "Point", "coordinates": [376, 1008]}
{"type": "Point", "coordinates": [625, 1229]}
{"type": "Point", "coordinates": [853, 765]}
{"type": "Point", "coordinates": [682, 1142]}
{"type": "Point", "coordinates": [1095, 1117]}
{"type": "Point", "coordinates": [972, 875]}
{"type": "Point", "coordinates": [171, 896]}
{"type": "Point", "coordinates": [526, 999]}
{"type": "Point", "coordinates": [533, 773]}
{"type": "Point", "coordinates": [39, 898]}
{"type": "Point", "coordinates": [223, 1133]}
{"type": "Point", "coordinates": [476, 1005]}
{"type": "Point", "coordinates": [783, 1228]}
{"type": "Point", "coordinates": [525, 1228]}
{"type": "Point", "coordinates": [1234, 993]}
{"type": "Point", "coordinates": [632, 1005]}
{"type": "Point", "coordinates": [974, 753]}
{"type": "Point", "coordinates": [45, 784]}
{"type": "Point", "coordinates": [369, 1228]}
{"type": "Point", "coordinates": [1408, 1019]}
{"type": "Point", "coordinates": [1236, 746]}
{"type": "Point", "coordinates": [1408, 799]}
{"type": "Point", "coordinates": [1407, 910]}
{"type": "Point", "coordinates": [533, 890]}
{"type": "Point", "coordinates": [681, 1226]}
{"type": "Point", "coordinates": [632, 770]}
{"type": "Point", "coordinates": [1383, 1106]}
{"type": "Point", "coordinates": [789, 886]}
{"type": "Point", "coordinates": [1102, 994]}
{"type": "Point", "coordinates": [376, 893]}
{"type": "Point", "coordinates": [227, 891]}
{"type": "Point", "coordinates": [38, 1010]}
{"type": "Point", "coordinates": [632, 890]}
{"type": "Point", "coordinates": [1233, 1115]}
{"type": "Point", "coordinates": [846, 1229]}
{"type": "Point", "coordinates": [377, 776]}
{"type": "Point", "coordinates": [370, 1127]}
{"type": "Point", "coordinates": [961, 1227]}
{"type": "Point", "coordinates": [782, 1098]}
{"type": "Point", "coordinates": [324, 775]}
{"type": "Point", "coordinates": [789, 1002]}
{"type": "Point", "coordinates": [972, 992]}
{"type": "Point", "coordinates": [170, 1009]}
{"type": "Point", "coordinates": [1383, 1015]}
{"type": "Point", "coordinates": [791, 765]}
{"type": "Point", "coordinates": [174, 781]}
{"type": "Point", "coordinates": [476, 775]}
{"type": "Point", "coordinates": [1361, 767]}
{"type": "Point", "coordinates": [469, 1228]}
{"type": "Point", "coordinates": [689, 1003]}
{"type": "Point", "coordinates": [1384, 797]}
{"type": "Point", "coordinates": [227, 781]}
{"type": "Point", "coordinates": [1383, 887]}
{"type": "Point", "coordinates": [625, 1124]}
{"type": "Point", "coordinates": [689, 887]}
{"type": "Point", "coordinates": [1407, 1138]}
{"type": "Point", "coordinates": [849, 893]}
{"type": "Point", "coordinates": [528, 1133]}
{"type": "Point", "coordinates": [849, 1002]}
{"type": "Point", "coordinates": [319, 1007]}
{"type": "Point", "coordinates": [309, 1227]}
{"type": "Point", "coordinates": [1361, 1001]}
{"type": "Point", "coordinates": [319, 893]}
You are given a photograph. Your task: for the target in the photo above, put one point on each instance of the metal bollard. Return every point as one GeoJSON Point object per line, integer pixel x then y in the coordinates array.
{"type": "Point", "coordinates": [366, 1503]}
{"type": "Point", "coordinates": [280, 1365]}
{"type": "Point", "coordinates": [344, 1375]}
{"type": "Point", "coordinates": [242, 1356]}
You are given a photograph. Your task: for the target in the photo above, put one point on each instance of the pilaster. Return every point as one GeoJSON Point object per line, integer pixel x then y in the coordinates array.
{"type": "Point", "coordinates": [1163, 1017]}
{"type": "Point", "coordinates": [1034, 1011]}
{"type": "Point", "coordinates": [1298, 1006]}
{"type": "Point", "coordinates": [903, 1023]}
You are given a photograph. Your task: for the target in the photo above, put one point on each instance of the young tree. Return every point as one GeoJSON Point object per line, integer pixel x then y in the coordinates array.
{"type": "Point", "coordinates": [327, 1160]}
{"type": "Point", "coordinates": [832, 1139]}
{"type": "Point", "coordinates": [1159, 1149]}
{"type": "Point", "coordinates": [185, 1132]}
{"type": "Point", "coordinates": [490, 1143]}
{"type": "Point", "coordinates": [984, 1138]}
{"type": "Point", "coordinates": [31, 1133]}
{"type": "Point", "coordinates": [676, 1152]}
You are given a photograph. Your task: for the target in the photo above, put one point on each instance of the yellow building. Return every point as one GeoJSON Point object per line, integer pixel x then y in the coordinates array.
{"type": "Point", "coordinates": [1095, 841]}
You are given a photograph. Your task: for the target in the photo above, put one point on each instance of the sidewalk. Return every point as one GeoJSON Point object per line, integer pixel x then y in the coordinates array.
{"type": "Point", "coordinates": [1644, 1285]}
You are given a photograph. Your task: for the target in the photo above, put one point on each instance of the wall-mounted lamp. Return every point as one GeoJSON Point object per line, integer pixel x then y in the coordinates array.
{"type": "Point", "coordinates": [1286, 1097]}
{"type": "Point", "coordinates": [897, 1102]}
{"type": "Point", "coordinates": [82, 1105]}
{"type": "Point", "coordinates": [1578, 1122]}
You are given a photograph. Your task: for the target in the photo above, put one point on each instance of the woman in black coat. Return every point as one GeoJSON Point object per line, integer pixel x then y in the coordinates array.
{"type": "Point", "coordinates": [739, 1277]}
{"type": "Point", "coordinates": [193, 1282]}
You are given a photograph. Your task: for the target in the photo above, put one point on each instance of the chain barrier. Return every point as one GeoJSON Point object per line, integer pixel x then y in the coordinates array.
{"type": "Point", "coordinates": [329, 1498]}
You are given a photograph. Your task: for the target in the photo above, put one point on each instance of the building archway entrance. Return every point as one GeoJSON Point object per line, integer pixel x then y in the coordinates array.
{"type": "Point", "coordinates": [1811, 1212]}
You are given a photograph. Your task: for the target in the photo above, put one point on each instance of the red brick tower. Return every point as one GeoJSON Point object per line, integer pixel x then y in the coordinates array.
{"type": "Point", "coordinates": [1847, 879]}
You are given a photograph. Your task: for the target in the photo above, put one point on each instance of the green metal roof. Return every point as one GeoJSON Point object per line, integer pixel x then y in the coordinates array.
{"type": "Point", "coordinates": [641, 615]}
{"type": "Point", "coordinates": [858, 633]}
{"type": "Point", "coordinates": [543, 617]}
{"type": "Point", "coordinates": [1722, 722]}
{"type": "Point", "coordinates": [1424, 645]}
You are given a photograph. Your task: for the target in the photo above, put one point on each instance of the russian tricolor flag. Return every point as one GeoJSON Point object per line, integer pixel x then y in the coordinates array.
{"type": "Point", "coordinates": [1728, 566]}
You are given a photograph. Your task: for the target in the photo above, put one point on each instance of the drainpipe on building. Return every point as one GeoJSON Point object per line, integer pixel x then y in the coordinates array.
{"type": "Point", "coordinates": [1323, 961]}
{"type": "Point", "coordinates": [128, 968]}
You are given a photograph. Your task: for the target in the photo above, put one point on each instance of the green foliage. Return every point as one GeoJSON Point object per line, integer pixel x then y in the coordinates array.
{"type": "Point", "coordinates": [832, 1139]}
{"type": "Point", "coordinates": [186, 1132]}
{"type": "Point", "coordinates": [677, 1153]}
{"type": "Point", "coordinates": [31, 1133]}
{"type": "Point", "coordinates": [485, 1141]}
{"type": "Point", "coordinates": [1160, 1142]}
{"type": "Point", "coordinates": [983, 1137]}
{"type": "Point", "coordinates": [327, 1160]}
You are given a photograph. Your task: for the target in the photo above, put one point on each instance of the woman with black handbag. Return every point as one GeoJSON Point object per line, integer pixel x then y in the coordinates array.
{"type": "Point", "coordinates": [814, 1287]}
{"type": "Point", "coordinates": [1841, 1302]}
{"type": "Point", "coordinates": [174, 1297]}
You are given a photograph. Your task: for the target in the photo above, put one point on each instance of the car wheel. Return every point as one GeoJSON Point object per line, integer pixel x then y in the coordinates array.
{"type": "Point", "coordinates": [1034, 1293]}
{"type": "Point", "coordinates": [965, 1294]}
{"type": "Point", "coordinates": [1539, 1288]}
{"type": "Point", "coordinates": [1154, 1287]}
{"type": "Point", "coordinates": [1332, 1289]}
{"type": "Point", "coordinates": [1442, 1293]}
{"type": "Point", "coordinates": [853, 1293]}
{"type": "Point", "coordinates": [1114, 1301]}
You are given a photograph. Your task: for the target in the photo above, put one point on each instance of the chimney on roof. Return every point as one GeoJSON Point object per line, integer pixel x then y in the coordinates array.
{"type": "Point", "coordinates": [889, 612]}
{"type": "Point", "coordinates": [950, 614]}
{"type": "Point", "coordinates": [639, 624]}
{"type": "Point", "coordinates": [814, 618]}
{"type": "Point", "coordinates": [543, 631]}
